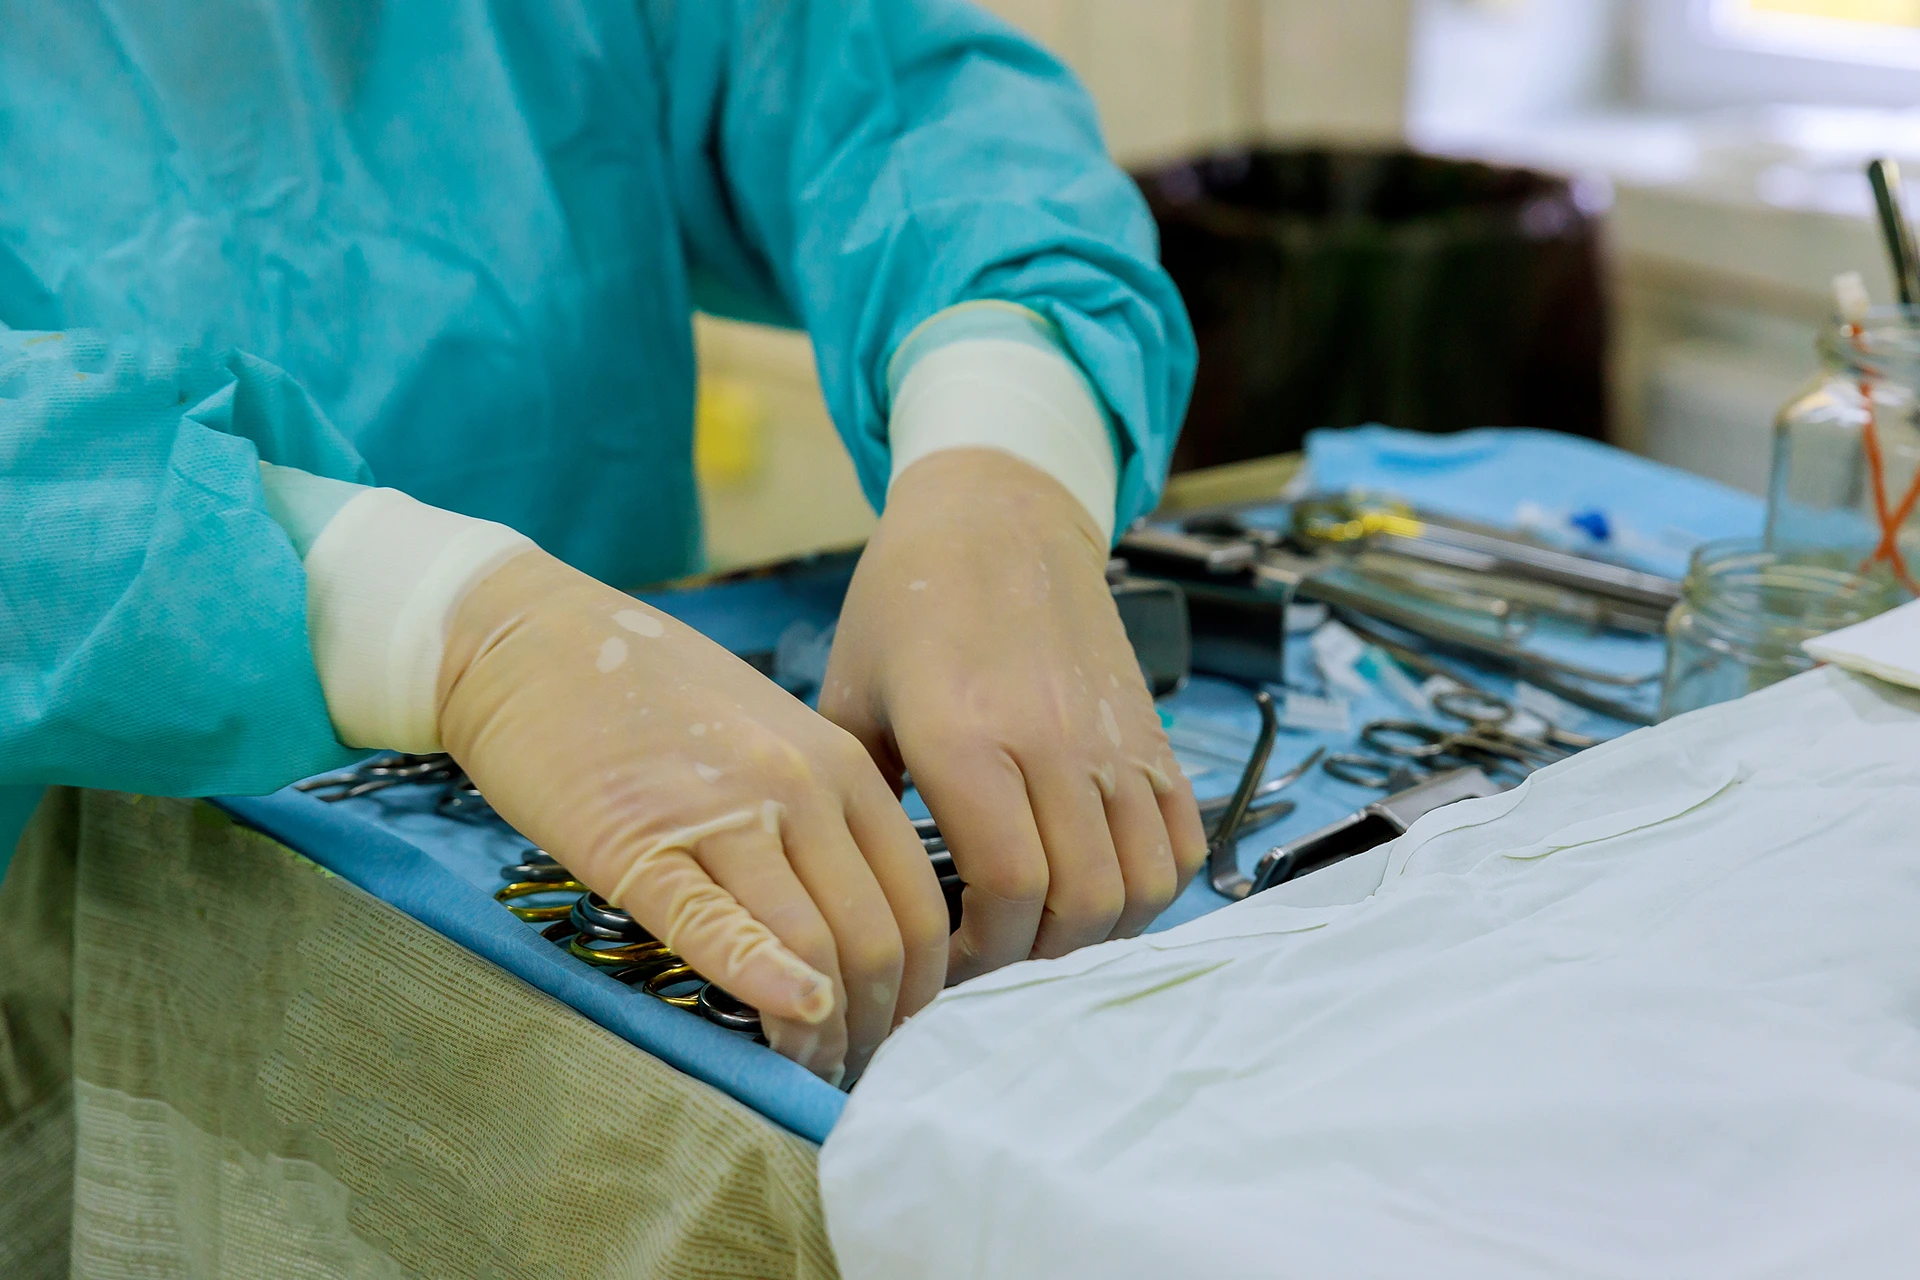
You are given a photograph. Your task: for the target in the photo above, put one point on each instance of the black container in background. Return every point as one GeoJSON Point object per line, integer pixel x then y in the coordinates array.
{"type": "Point", "coordinates": [1337, 287]}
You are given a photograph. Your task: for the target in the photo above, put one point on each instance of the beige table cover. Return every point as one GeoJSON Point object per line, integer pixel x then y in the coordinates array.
{"type": "Point", "coordinates": [218, 1060]}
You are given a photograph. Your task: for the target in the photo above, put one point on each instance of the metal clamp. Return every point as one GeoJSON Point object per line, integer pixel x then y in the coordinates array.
{"type": "Point", "coordinates": [1371, 827]}
{"type": "Point", "coordinates": [1223, 865]}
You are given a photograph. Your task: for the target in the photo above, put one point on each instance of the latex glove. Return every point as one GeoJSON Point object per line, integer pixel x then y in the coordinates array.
{"type": "Point", "coordinates": [980, 649]}
{"type": "Point", "coordinates": [746, 832]}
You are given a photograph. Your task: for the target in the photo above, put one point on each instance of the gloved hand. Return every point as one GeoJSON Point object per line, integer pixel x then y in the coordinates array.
{"type": "Point", "coordinates": [980, 650]}
{"type": "Point", "coordinates": [744, 831]}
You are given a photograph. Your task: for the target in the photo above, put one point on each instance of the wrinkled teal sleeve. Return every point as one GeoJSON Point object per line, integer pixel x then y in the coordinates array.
{"type": "Point", "coordinates": [861, 165]}
{"type": "Point", "coordinates": [152, 613]}
{"type": "Point", "coordinates": [304, 504]}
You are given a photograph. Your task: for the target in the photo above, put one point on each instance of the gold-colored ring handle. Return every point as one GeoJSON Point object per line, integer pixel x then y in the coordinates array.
{"type": "Point", "coordinates": [507, 894]}
{"type": "Point", "coordinates": [620, 955]}
{"type": "Point", "coordinates": [672, 977]}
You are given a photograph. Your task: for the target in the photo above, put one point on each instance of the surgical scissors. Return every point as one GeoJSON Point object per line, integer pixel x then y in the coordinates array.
{"type": "Point", "coordinates": [459, 798]}
{"type": "Point", "coordinates": [1475, 744]}
{"type": "Point", "coordinates": [379, 774]}
{"type": "Point", "coordinates": [1373, 772]}
{"type": "Point", "coordinates": [1491, 714]}
{"type": "Point", "coordinates": [1410, 749]}
{"type": "Point", "coordinates": [463, 802]}
{"type": "Point", "coordinates": [612, 941]}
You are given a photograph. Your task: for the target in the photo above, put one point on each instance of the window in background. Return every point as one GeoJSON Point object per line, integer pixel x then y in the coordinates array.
{"type": "Point", "coordinates": [1734, 132]}
{"type": "Point", "coordinates": [1885, 32]}
{"type": "Point", "coordinates": [1714, 53]}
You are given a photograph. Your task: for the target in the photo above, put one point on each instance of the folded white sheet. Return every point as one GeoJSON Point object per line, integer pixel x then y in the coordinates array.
{"type": "Point", "coordinates": [1654, 1014]}
{"type": "Point", "coordinates": [1887, 646]}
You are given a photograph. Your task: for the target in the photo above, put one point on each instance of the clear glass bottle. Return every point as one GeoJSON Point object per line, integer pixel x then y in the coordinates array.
{"type": "Point", "coordinates": [1743, 613]}
{"type": "Point", "coordinates": [1846, 453]}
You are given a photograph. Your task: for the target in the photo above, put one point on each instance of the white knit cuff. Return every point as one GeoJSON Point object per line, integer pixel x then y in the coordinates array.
{"type": "Point", "coordinates": [383, 580]}
{"type": "Point", "coordinates": [996, 393]}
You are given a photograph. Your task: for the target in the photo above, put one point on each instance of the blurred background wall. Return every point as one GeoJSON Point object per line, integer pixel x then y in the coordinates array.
{"type": "Point", "coordinates": [1722, 138]}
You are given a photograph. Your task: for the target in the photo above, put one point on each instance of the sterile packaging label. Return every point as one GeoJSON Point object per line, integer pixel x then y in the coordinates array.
{"type": "Point", "coordinates": [1316, 715]}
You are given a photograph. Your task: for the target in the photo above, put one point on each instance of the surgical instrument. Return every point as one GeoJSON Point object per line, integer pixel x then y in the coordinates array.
{"type": "Point", "coordinates": [1332, 520]}
{"type": "Point", "coordinates": [1415, 660]}
{"type": "Point", "coordinates": [624, 956]}
{"type": "Point", "coordinates": [1227, 819]}
{"type": "Point", "coordinates": [1263, 813]}
{"type": "Point", "coordinates": [1156, 546]}
{"type": "Point", "coordinates": [1493, 747]}
{"type": "Point", "coordinates": [1409, 749]}
{"type": "Point", "coordinates": [1895, 229]}
{"type": "Point", "coordinates": [1518, 598]}
{"type": "Point", "coordinates": [1237, 625]}
{"type": "Point", "coordinates": [1223, 869]}
{"type": "Point", "coordinates": [1373, 772]}
{"type": "Point", "coordinates": [677, 985]}
{"type": "Point", "coordinates": [1355, 595]}
{"type": "Point", "coordinates": [463, 802]}
{"type": "Point", "coordinates": [536, 864]}
{"type": "Point", "coordinates": [379, 774]}
{"type": "Point", "coordinates": [542, 913]}
{"type": "Point", "coordinates": [1273, 575]}
{"type": "Point", "coordinates": [459, 798]}
{"type": "Point", "coordinates": [1377, 823]}
{"type": "Point", "coordinates": [1155, 614]}
{"type": "Point", "coordinates": [1491, 713]}
{"type": "Point", "coordinates": [611, 940]}
{"type": "Point", "coordinates": [720, 1006]}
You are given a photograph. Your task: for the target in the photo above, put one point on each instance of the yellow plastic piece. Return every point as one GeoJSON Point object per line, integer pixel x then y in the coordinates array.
{"type": "Point", "coordinates": [729, 430]}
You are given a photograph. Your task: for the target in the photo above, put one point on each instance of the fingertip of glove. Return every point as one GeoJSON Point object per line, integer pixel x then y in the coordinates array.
{"type": "Point", "coordinates": [806, 994]}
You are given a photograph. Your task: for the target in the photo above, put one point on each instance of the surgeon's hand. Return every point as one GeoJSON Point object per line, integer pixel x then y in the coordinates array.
{"type": "Point", "coordinates": [747, 833]}
{"type": "Point", "coordinates": [980, 650]}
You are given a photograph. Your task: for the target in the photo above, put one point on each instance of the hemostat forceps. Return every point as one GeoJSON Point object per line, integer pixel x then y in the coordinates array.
{"type": "Point", "coordinates": [378, 775]}
{"type": "Point", "coordinates": [1223, 866]}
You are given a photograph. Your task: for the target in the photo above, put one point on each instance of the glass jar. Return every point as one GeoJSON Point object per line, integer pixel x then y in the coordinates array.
{"type": "Point", "coordinates": [1846, 453]}
{"type": "Point", "coordinates": [1744, 611]}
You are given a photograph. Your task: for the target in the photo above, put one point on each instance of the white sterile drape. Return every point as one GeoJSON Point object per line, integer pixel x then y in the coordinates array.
{"type": "Point", "coordinates": [1655, 1013]}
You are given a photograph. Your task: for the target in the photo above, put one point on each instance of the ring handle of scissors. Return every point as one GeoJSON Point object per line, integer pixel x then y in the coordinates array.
{"type": "Point", "coordinates": [1361, 771]}
{"type": "Point", "coordinates": [1486, 711]}
{"type": "Point", "coordinates": [509, 896]}
{"type": "Point", "coordinates": [661, 986]}
{"type": "Point", "coordinates": [403, 768]}
{"type": "Point", "coordinates": [1567, 741]}
{"type": "Point", "coordinates": [350, 785]}
{"type": "Point", "coordinates": [327, 781]}
{"type": "Point", "coordinates": [598, 911]}
{"type": "Point", "coordinates": [1473, 706]}
{"type": "Point", "coordinates": [1409, 739]}
{"type": "Point", "coordinates": [1511, 746]}
{"type": "Point", "coordinates": [620, 954]}
{"type": "Point", "coordinates": [723, 1008]}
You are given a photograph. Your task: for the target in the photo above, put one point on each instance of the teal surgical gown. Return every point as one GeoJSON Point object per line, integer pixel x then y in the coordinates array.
{"type": "Point", "coordinates": [453, 247]}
